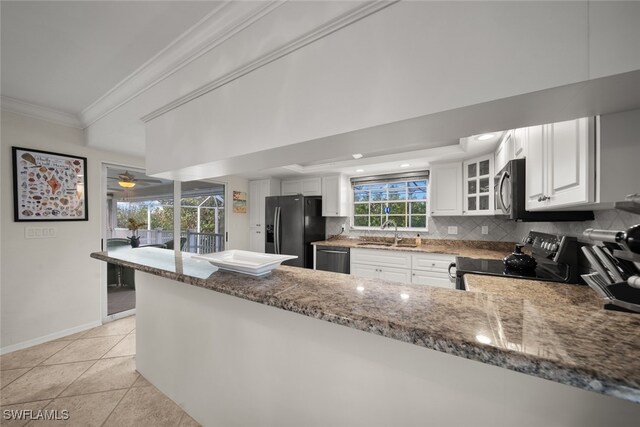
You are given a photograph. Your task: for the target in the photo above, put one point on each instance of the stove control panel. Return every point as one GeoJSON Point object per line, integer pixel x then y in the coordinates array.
{"type": "Point", "coordinates": [554, 247]}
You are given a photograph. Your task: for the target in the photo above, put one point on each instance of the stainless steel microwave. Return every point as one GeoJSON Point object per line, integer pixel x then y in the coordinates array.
{"type": "Point", "coordinates": [510, 198]}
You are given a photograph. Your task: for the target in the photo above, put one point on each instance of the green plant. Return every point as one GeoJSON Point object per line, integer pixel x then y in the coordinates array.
{"type": "Point", "coordinates": [133, 225]}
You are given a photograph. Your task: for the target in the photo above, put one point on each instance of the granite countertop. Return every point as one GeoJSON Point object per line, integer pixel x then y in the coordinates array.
{"type": "Point", "coordinates": [579, 345]}
{"type": "Point", "coordinates": [535, 291]}
{"type": "Point", "coordinates": [466, 248]}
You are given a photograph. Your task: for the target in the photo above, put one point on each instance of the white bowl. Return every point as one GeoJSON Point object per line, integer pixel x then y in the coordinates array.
{"type": "Point", "coordinates": [245, 262]}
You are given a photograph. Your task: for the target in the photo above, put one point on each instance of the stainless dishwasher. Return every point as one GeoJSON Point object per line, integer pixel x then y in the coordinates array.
{"type": "Point", "coordinates": [332, 259]}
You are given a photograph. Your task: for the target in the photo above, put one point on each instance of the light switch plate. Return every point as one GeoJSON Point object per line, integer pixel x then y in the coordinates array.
{"type": "Point", "coordinates": [40, 232]}
{"type": "Point", "coordinates": [485, 229]}
{"type": "Point", "coordinates": [452, 229]}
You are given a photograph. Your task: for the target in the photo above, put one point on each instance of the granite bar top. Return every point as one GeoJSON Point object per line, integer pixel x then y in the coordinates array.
{"type": "Point", "coordinates": [575, 344]}
{"type": "Point", "coordinates": [466, 248]}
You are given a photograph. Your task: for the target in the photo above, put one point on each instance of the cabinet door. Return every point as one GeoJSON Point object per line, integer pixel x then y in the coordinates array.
{"type": "Point", "coordinates": [265, 191]}
{"type": "Point", "coordinates": [569, 145]}
{"type": "Point", "coordinates": [520, 143]}
{"type": "Point", "coordinates": [256, 204]}
{"type": "Point", "coordinates": [504, 153]}
{"type": "Point", "coordinates": [291, 188]}
{"type": "Point", "coordinates": [432, 279]}
{"type": "Point", "coordinates": [330, 196]}
{"type": "Point", "coordinates": [311, 187]}
{"type": "Point", "coordinates": [256, 240]}
{"type": "Point", "coordinates": [536, 168]}
{"type": "Point", "coordinates": [364, 270]}
{"type": "Point", "coordinates": [395, 274]}
{"type": "Point", "coordinates": [478, 186]}
{"type": "Point", "coordinates": [445, 186]}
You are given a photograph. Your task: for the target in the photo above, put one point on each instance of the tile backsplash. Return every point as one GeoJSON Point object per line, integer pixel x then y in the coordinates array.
{"type": "Point", "coordinates": [469, 228]}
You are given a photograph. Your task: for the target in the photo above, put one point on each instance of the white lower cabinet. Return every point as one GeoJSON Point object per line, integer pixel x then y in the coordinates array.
{"type": "Point", "coordinates": [432, 270]}
{"type": "Point", "coordinates": [402, 267]}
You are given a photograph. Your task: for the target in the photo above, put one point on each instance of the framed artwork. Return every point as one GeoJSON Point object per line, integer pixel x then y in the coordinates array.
{"type": "Point", "coordinates": [239, 202]}
{"type": "Point", "coordinates": [49, 186]}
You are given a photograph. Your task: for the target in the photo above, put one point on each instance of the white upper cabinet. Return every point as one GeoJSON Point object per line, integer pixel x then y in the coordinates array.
{"type": "Point", "coordinates": [520, 143]}
{"type": "Point", "coordinates": [306, 187]}
{"type": "Point", "coordinates": [478, 186]}
{"type": "Point", "coordinates": [560, 165]}
{"type": "Point", "coordinates": [445, 182]}
{"type": "Point", "coordinates": [335, 195]}
{"type": "Point", "coordinates": [504, 152]}
{"type": "Point", "coordinates": [535, 162]}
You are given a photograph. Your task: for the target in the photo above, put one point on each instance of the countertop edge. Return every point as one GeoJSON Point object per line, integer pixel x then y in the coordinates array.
{"type": "Point", "coordinates": [543, 368]}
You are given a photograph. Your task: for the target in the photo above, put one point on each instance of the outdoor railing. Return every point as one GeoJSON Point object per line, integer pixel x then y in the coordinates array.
{"type": "Point", "coordinates": [200, 243]}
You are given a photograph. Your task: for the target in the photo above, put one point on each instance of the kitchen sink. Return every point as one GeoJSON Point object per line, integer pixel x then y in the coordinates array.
{"type": "Point", "coordinates": [374, 244]}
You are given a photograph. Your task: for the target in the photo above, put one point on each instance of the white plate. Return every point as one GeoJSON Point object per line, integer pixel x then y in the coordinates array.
{"type": "Point", "coordinates": [245, 262]}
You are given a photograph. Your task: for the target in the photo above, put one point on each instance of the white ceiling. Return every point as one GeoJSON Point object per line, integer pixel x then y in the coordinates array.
{"type": "Point", "coordinates": [67, 54]}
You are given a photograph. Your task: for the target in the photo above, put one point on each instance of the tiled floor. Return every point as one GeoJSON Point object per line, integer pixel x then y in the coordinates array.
{"type": "Point", "coordinates": [92, 376]}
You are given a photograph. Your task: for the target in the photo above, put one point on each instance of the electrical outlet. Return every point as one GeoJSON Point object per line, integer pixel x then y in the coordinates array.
{"type": "Point", "coordinates": [39, 232]}
{"type": "Point", "coordinates": [452, 229]}
{"type": "Point", "coordinates": [485, 229]}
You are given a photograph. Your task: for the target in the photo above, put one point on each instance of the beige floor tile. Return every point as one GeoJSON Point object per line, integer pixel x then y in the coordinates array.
{"type": "Point", "coordinates": [117, 327]}
{"type": "Point", "coordinates": [106, 374]}
{"type": "Point", "coordinates": [15, 421]}
{"type": "Point", "coordinates": [84, 349]}
{"type": "Point", "coordinates": [31, 356]}
{"type": "Point", "coordinates": [126, 347]}
{"type": "Point", "coordinates": [84, 411]}
{"type": "Point", "coordinates": [73, 336]}
{"type": "Point", "coordinates": [145, 406]}
{"type": "Point", "coordinates": [187, 421]}
{"type": "Point", "coordinates": [42, 382]}
{"type": "Point", "coordinates": [141, 382]}
{"type": "Point", "coordinates": [6, 377]}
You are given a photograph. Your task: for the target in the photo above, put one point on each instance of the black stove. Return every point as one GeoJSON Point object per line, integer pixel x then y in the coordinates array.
{"type": "Point", "coordinates": [556, 257]}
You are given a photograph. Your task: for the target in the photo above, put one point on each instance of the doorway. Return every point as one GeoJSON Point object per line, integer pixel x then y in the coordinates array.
{"type": "Point", "coordinates": [141, 207]}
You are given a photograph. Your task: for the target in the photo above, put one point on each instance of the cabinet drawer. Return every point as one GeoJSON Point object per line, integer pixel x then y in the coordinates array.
{"type": "Point", "coordinates": [432, 262]}
{"type": "Point", "coordinates": [381, 258]}
{"type": "Point", "coordinates": [432, 279]}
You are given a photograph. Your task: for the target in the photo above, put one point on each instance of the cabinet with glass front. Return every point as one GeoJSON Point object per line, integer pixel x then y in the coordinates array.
{"type": "Point", "coordinates": [478, 186]}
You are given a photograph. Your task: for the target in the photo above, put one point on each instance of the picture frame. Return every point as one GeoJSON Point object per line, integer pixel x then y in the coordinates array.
{"type": "Point", "coordinates": [49, 186]}
{"type": "Point", "coordinates": [239, 202]}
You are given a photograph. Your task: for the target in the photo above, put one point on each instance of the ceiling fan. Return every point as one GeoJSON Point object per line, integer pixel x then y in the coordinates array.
{"type": "Point", "coordinates": [127, 180]}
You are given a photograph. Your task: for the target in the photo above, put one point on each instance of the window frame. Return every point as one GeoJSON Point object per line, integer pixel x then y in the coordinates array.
{"type": "Point", "coordinates": [400, 178]}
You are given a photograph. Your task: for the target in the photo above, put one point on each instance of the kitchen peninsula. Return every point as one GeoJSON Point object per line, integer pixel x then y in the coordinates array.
{"type": "Point", "coordinates": [275, 350]}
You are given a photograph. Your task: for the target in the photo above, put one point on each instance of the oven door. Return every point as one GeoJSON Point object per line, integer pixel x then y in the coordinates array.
{"type": "Point", "coordinates": [503, 191]}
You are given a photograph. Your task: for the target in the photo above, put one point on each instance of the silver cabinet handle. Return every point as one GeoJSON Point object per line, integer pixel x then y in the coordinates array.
{"type": "Point", "coordinates": [332, 252]}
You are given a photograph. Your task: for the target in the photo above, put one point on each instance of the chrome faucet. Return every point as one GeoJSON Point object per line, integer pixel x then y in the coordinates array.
{"type": "Point", "coordinates": [388, 223]}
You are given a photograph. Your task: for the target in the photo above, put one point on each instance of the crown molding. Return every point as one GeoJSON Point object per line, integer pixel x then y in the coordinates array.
{"type": "Point", "coordinates": [318, 33]}
{"type": "Point", "coordinates": [18, 106]}
{"type": "Point", "coordinates": [220, 24]}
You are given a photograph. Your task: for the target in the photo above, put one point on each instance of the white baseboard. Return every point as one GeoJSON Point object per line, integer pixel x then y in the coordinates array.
{"type": "Point", "coordinates": [50, 337]}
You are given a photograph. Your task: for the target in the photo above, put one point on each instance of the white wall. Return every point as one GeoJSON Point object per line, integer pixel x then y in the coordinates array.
{"type": "Point", "coordinates": [49, 286]}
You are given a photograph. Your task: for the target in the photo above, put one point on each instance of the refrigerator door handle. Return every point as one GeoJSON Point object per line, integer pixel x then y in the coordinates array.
{"type": "Point", "coordinates": [276, 222]}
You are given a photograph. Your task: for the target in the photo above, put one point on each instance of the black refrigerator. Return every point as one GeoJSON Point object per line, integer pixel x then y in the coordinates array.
{"type": "Point", "coordinates": [293, 222]}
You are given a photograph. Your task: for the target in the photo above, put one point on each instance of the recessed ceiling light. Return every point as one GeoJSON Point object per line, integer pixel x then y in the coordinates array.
{"type": "Point", "coordinates": [359, 170]}
{"type": "Point", "coordinates": [357, 156]}
{"type": "Point", "coordinates": [405, 165]}
{"type": "Point", "coordinates": [485, 136]}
